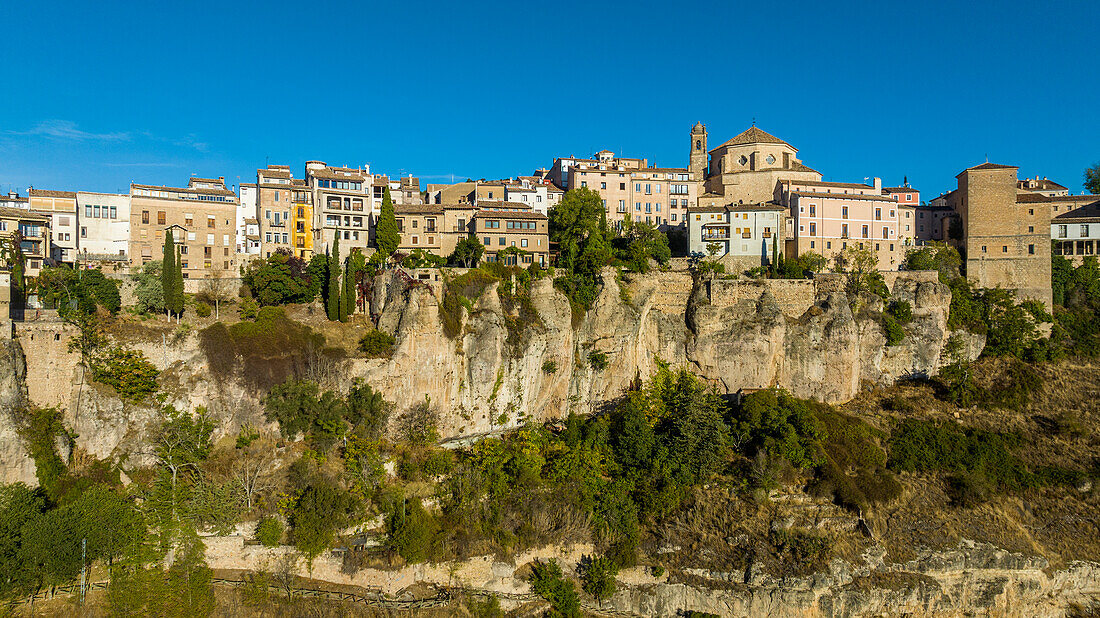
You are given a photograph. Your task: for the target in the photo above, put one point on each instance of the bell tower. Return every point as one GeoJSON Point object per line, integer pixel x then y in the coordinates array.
{"type": "Point", "coordinates": [697, 163]}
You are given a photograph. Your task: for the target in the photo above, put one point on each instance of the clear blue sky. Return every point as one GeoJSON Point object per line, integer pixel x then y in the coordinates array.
{"type": "Point", "coordinates": [98, 94]}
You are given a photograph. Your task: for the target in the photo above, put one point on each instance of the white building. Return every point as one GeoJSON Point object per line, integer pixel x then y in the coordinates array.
{"type": "Point", "coordinates": [246, 209]}
{"type": "Point", "coordinates": [744, 234]}
{"type": "Point", "coordinates": [104, 223]}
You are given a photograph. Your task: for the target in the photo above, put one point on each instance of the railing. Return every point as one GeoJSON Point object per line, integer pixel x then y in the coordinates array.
{"type": "Point", "coordinates": [746, 235]}
{"type": "Point", "coordinates": [766, 234]}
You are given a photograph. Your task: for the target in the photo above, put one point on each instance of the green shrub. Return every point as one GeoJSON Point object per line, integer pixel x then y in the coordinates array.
{"type": "Point", "coordinates": [893, 331]}
{"type": "Point", "coordinates": [598, 576]}
{"type": "Point", "coordinates": [411, 531]}
{"type": "Point", "coordinates": [202, 310]}
{"type": "Point", "coordinates": [926, 446]}
{"type": "Point", "coordinates": [248, 309]}
{"type": "Point", "coordinates": [548, 582]}
{"type": "Point", "coordinates": [902, 311]}
{"type": "Point", "coordinates": [597, 360]}
{"type": "Point", "coordinates": [550, 367]}
{"type": "Point", "coordinates": [129, 372]}
{"type": "Point", "coordinates": [419, 425]}
{"type": "Point", "coordinates": [377, 344]}
{"type": "Point", "coordinates": [267, 351]}
{"type": "Point", "coordinates": [269, 531]}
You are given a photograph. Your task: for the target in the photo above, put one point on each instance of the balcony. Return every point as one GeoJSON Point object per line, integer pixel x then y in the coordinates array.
{"type": "Point", "coordinates": [766, 234]}
{"type": "Point", "coordinates": [746, 234]}
{"type": "Point", "coordinates": [716, 237]}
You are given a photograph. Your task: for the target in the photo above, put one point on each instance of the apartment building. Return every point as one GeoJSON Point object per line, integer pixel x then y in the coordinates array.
{"type": "Point", "coordinates": [828, 217]}
{"type": "Point", "coordinates": [435, 228]}
{"type": "Point", "coordinates": [536, 194]}
{"type": "Point", "coordinates": [284, 210]}
{"type": "Point", "coordinates": [1042, 186]}
{"type": "Point", "coordinates": [630, 190]}
{"type": "Point", "coordinates": [1005, 240]}
{"type": "Point", "coordinates": [525, 230]}
{"type": "Point", "coordinates": [104, 221]}
{"type": "Point", "coordinates": [1075, 226]}
{"type": "Point", "coordinates": [60, 207]}
{"type": "Point", "coordinates": [743, 235]}
{"type": "Point", "coordinates": [342, 200]}
{"type": "Point", "coordinates": [203, 218]}
{"type": "Point", "coordinates": [12, 199]}
{"type": "Point", "coordinates": [34, 229]}
{"type": "Point", "coordinates": [246, 209]}
{"type": "Point", "coordinates": [248, 241]}
{"type": "Point", "coordinates": [404, 190]}
{"type": "Point", "coordinates": [908, 200]}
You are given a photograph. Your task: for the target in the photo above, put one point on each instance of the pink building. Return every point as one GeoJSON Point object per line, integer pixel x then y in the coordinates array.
{"type": "Point", "coordinates": [828, 217]}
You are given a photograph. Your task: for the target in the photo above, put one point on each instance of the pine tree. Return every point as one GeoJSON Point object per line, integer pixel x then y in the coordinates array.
{"type": "Point", "coordinates": [332, 300]}
{"type": "Point", "coordinates": [168, 273]}
{"type": "Point", "coordinates": [386, 236]}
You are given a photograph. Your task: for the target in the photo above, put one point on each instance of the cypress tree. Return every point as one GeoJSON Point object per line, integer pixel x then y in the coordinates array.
{"type": "Point", "coordinates": [332, 301]}
{"type": "Point", "coordinates": [168, 273]}
{"type": "Point", "coordinates": [348, 306]}
{"type": "Point", "coordinates": [177, 284]}
{"type": "Point", "coordinates": [386, 236]}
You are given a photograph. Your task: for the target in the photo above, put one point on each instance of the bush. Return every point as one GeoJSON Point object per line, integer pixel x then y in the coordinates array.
{"type": "Point", "coordinates": [129, 372]}
{"type": "Point", "coordinates": [248, 309]}
{"type": "Point", "coordinates": [902, 311]}
{"type": "Point", "coordinates": [597, 360]}
{"type": "Point", "coordinates": [419, 425]}
{"type": "Point", "coordinates": [268, 351]}
{"type": "Point", "coordinates": [377, 344]}
{"type": "Point", "coordinates": [548, 582]}
{"type": "Point", "coordinates": [892, 330]}
{"type": "Point", "coordinates": [549, 367]}
{"type": "Point", "coordinates": [202, 310]}
{"type": "Point", "coordinates": [926, 446]}
{"type": "Point", "coordinates": [282, 278]}
{"type": "Point", "coordinates": [598, 577]}
{"type": "Point", "coordinates": [411, 531]}
{"type": "Point", "coordinates": [269, 531]}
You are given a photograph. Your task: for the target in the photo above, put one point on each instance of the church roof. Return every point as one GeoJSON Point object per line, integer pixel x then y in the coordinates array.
{"type": "Point", "coordinates": [752, 135]}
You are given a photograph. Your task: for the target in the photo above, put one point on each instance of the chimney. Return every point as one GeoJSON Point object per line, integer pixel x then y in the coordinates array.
{"type": "Point", "coordinates": [878, 185]}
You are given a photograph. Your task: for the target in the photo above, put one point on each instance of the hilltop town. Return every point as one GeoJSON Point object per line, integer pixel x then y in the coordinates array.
{"type": "Point", "coordinates": [603, 388]}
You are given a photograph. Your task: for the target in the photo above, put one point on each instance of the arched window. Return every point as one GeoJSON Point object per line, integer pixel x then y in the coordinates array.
{"type": "Point", "coordinates": [698, 144]}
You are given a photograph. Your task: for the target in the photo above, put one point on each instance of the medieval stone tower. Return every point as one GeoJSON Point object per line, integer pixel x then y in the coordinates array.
{"type": "Point", "coordinates": [697, 164]}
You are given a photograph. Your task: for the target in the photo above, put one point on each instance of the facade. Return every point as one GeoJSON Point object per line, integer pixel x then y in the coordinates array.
{"type": "Point", "coordinates": [34, 229]}
{"type": "Point", "coordinates": [249, 241]}
{"type": "Point", "coordinates": [343, 205]}
{"type": "Point", "coordinates": [744, 235]}
{"type": "Point", "coordinates": [828, 217]}
{"type": "Point", "coordinates": [630, 190]}
{"type": "Point", "coordinates": [404, 190]}
{"type": "Point", "coordinates": [284, 211]}
{"type": "Point", "coordinates": [1005, 242]}
{"type": "Point", "coordinates": [524, 230]}
{"type": "Point", "coordinates": [933, 222]}
{"type": "Point", "coordinates": [104, 221]}
{"type": "Point", "coordinates": [435, 228]}
{"type": "Point", "coordinates": [1042, 186]}
{"type": "Point", "coordinates": [908, 200]}
{"type": "Point", "coordinates": [203, 218]}
{"type": "Point", "coordinates": [12, 199]}
{"type": "Point", "coordinates": [60, 206]}
{"type": "Point", "coordinates": [748, 167]}
{"type": "Point", "coordinates": [246, 209]}
{"type": "Point", "coordinates": [1076, 231]}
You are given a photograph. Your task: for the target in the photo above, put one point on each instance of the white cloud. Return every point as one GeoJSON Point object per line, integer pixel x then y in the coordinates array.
{"type": "Point", "coordinates": [68, 130]}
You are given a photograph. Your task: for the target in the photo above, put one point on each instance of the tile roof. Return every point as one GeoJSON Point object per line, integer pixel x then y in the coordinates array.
{"type": "Point", "coordinates": [274, 173]}
{"type": "Point", "coordinates": [900, 190]}
{"type": "Point", "coordinates": [47, 193]}
{"type": "Point", "coordinates": [752, 135]}
{"type": "Point", "coordinates": [502, 204]}
{"type": "Point", "coordinates": [1088, 211]}
{"type": "Point", "coordinates": [987, 166]}
{"type": "Point", "coordinates": [1036, 198]}
{"type": "Point", "coordinates": [181, 190]}
{"type": "Point", "coordinates": [19, 213]}
{"type": "Point", "coordinates": [839, 185]}
{"type": "Point", "coordinates": [329, 174]}
{"type": "Point", "coordinates": [499, 214]}
{"type": "Point", "coordinates": [1040, 185]}
{"type": "Point", "coordinates": [417, 209]}
{"type": "Point", "coordinates": [845, 196]}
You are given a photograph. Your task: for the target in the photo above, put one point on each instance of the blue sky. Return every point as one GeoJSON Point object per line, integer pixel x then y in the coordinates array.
{"type": "Point", "coordinates": [100, 94]}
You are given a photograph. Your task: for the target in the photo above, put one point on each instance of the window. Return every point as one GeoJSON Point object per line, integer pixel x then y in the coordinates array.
{"type": "Point", "coordinates": [983, 249]}
{"type": "Point", "coordinates": [603, 185]}
{"type": "Point", "coordinates": [584, 183]}
{"type": "Point", "coordinates": [878, 214]}
{"type": "Point", "coordinates": [622, 186]}
{"type": "Point", "coordinates": [1004, 248]}
{"type": "Point", "coordinates": [160, 217]}
{"type": "Point", "coordinates": [813, 210]}
{"type": "Point", "coordinates": [886, 232]}
{"type": "Point", "coordinates": [145, 216]}
{"type": "Point", "coordinates": [209, 239]}
{"type": "Point", "coordinates": [1031, 249]}
{"type": "Point", "coordinates": [210, 220]}
{"type": "Point", "coordinates": [502, 241]}
{"type": "Point", "coordinates": [813, 229]}
{"type": "Point", "coordinates": [88, 210]}
{"type": "Point", "coordinates": [1062, 231]}
{"type": "Point", "coordinates": [844, 212]}
{"type": "Point", "coordinates": [844, 230]}
{"type": "Point", "coordinates": [415, 240]}
{"type": "Point", "coordinates": [864, 230]}
{"type": "Point", "coordinates": [487, 241]}
{"type": "Point", "coordinates": [1031, 229]}
{"type": "Point", "coordinates": [114, 212]}
{"type": "Point", "coordinates": [523, 242]}
{"type": "Point", "coordinates": [83, 232]}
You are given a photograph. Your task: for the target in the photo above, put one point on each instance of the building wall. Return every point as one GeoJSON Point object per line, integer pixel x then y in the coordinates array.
{"type": "Point", "coordinates": [1006, 243]}
{"type": "Point", "coordinates": [64, 236]}
{"type": "Point", "coordinates": [745, 236]}
{"type": "Point", "coordinates": [104, 222]}
{"type": "Point", "coordinates": [499, 231]}
{"type": "Point", "coordinates": [208, 230]}
{"type": "Point", "coordinates": [828, 224]}
{"type": "Point", "coordinates": [35, 230]}
{"type": "Point", "coordinates": [1076, 239]}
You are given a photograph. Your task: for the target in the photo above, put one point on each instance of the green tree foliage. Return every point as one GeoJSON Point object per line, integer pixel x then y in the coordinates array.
{"type": "Point", "coordinates": [171, 276]}
{"type": "Point", "coordinates": [129, 372]}
{"type": "Point", "coordinates": [377, 344]}
{"type": "Point", "coordinates": [640, 243]}
{"type": "Point", "coordinates": [11, 256]}
{"type": "Point", "coordinates": [356, 270]}
{"type": "Point", "coordinates": [467, 253]}
{"type": "Point", "coordinates": [411, 531]}
{"type": "Point", "coordinates": [1092, 179]}
{"type": "Point", "coordinates": [419, 258]}
{"type": "Point", "coordinates": [598, 577]}
{"type": "Point", "coordinates": [799, 267]}
{"type": "Point", "coordinates": [386, 236]}
{"type": "Point", "coordinates": [861, 266]}
{"type": "Point", "coordinates": [333, 289]}
{"type": "Point", "coordinates": [298, 406]}
{"type": "Point", "coordinates": [937, 256]}
{"type": "Point", "coordinates": [548, 582]}
{"type": "Point", "coordinates": [782, 425]}
{"type": "Point", "coordinates": [149, 289]}
{"type": "Point", "coordinates": [956, 375]}
{"type": "Point", "coordinates": [77, 290]}
{"type": "Point", "coordinates": [319, 513]}
{"type": "Point", "coordinates": [579, 225]}
{"type": "Point", "coordinates": [283, 278]}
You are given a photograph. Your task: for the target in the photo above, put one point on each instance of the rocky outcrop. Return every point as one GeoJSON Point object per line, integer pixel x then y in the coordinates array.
{"type": "Point", "coordinates": [16, 466]}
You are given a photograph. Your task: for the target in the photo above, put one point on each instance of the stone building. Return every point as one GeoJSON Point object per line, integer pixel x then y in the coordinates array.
{"type": "Point", "coordinates": [1005, 242]}
{"type": "Point", "coordinates": [60, 207]}
{"type": "Point", "coordinates": [525, 230]}
{"type": "Point", "coordinates": [1041, 186]}
{"type": "Point", "coordinates": [747, 167]}
{"type": "Point", "coordinates": [104, 221]}
{"type": "Point", "coordinates": [342, 199]}
{"type": "Point", "coordinates": [284, 210]}
{"type": "Point", "coordinates": [203, 218]}
{"type": "Point", "coordinates": [435, 228]}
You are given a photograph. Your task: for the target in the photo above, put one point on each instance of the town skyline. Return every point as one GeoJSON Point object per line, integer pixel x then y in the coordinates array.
{"type": "Point", "coordinates": [911, 92]}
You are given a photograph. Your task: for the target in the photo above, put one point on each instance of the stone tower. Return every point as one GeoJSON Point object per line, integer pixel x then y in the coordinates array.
{"type": "Point", "coordinates": [697, 164]}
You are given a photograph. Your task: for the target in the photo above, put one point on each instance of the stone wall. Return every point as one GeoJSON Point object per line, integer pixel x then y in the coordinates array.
{"type": "Point", "coordinates": [50, 364]}
{"type": "Point", "coordinates": [794, 296]}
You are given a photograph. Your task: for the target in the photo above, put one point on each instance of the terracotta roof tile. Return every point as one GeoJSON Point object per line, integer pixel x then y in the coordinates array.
{"type": "Point", "coordinates": [47, 193]}
{"type": "Point", "coordinates": [752, 135]}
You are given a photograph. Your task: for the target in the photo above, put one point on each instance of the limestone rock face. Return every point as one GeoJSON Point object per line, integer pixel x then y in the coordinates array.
{"type": "Point", "coordinates": [16, 466]}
